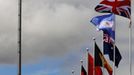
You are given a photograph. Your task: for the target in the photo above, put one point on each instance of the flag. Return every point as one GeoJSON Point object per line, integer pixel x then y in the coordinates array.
{"type": "Point", "coordinates": [90, 64]}
{"type": "Point", "coordinates": [119, 7]}
{"type": "Point", "coordinates": [98, 61]}
{"type": "Point", "coordinates": [83, 71]}
{"type": "Point", "coordinates": [109, 49]}
{"type": "Point", "coordinates": [105, 23]}
{"type": "Point", "coordinates": [101, 61]}
{"type": "Point", "coordinates": [98, 70]}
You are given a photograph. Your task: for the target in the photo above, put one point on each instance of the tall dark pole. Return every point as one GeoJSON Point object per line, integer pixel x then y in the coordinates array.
{"type": "Point", "coordinates": [19, 35]}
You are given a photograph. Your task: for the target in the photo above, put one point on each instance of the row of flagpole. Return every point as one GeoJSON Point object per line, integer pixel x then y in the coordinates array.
{"type": "Point", "coordinates": [19, 41]}
{"type": "Point", "coordinates": [127, 13]}
{"type": "Point", "coordinates": [94, 40]}
{"type": "Point", "coordinates": [115, 62]}
{"type": "Point", "coordinates": [87, 54]}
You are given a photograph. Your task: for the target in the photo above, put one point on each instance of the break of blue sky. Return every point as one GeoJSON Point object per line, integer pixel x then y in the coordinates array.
{"type": "Point", "coordinates": [47, 66]}
{"type": "Point", "coordinates": [8, 69]}
{"type": "Point", "coordinates": [42, 68]}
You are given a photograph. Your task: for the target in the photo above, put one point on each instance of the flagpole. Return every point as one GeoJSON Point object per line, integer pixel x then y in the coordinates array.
{"type": "Point", "coordinates": [130, 46]}
{"type": "Point", "coordinates": [114, 73]}
{"type": "Point", "coordinates": [94, 55]}
{"type": "Point", "coordinates": [114, 41]}
{"type": "Point", "coordinates": [103, 60]}
{"type": "Point", "coordinates": [87, 61]}
{"type": "Point", "coordinates": [19, 35]}
{"type": "Point", "coordinates": [130, 43]}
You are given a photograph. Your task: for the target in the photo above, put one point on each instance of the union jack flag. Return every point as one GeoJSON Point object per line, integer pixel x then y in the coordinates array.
{"type": "Point", "coordinates": [119, 7]}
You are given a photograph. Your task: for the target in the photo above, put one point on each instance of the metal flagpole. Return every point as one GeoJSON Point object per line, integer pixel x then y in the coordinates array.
{"type": "Point", "coordinates": [87, 61]}
{"type": "Point", "coordinates": [94, 55]}
{"type": "Point", "coordinates": [130, 46]}
{"type": "Point", "coordinates": [130, 43]}
{"type": "Point", "coordinates": [19, 35]}
{"type": "Point", "coordinates": [103, 60]}
{"type": "Point", "coordinates": [114, 43]}
{"type": "Point", "coordinates": [114, 46]}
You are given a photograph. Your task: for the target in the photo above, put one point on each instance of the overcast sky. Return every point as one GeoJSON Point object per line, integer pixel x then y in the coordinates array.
{"type": "Point", "coordinates": [55, 34]}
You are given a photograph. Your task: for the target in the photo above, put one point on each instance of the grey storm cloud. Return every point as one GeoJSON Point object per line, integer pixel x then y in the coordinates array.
{"type": "Point", "coordinates": [51, 28]}
{"type": "Point", "coordinates": [47, 31]}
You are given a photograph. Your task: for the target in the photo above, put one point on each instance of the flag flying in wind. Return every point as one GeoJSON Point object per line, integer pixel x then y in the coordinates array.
{"type": "Point", "coordinates": [119, 7]}
{"type": "Point", "coordinates": [90, 64]}
{"type": "Point", "coordinates": [105, 22]}
{"type": "Point", "coordinates": [101, 61]}
{"type": "Point", "coordinates": [83, 71]}
{"type": "Point", "coordinates": [98, 70]}
{"type": "Point", "coordinates": [109, 49]}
